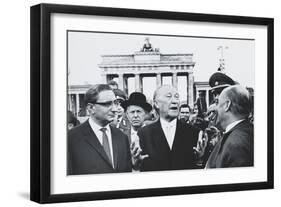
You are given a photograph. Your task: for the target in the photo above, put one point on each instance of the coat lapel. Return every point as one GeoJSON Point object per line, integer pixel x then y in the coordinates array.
{"type": "Point", "coordinates": [160, 140]}
{"type": "Point", "coordinates": [211, 163]}
{"type": "Point", "coordinates": [128, 133]}
{"type": "Point", "coordinates": [178, 135]}
{"type": "Point", "coordinates": [225, 135]}
{"type": "Point", "coordinates": [92, 140]}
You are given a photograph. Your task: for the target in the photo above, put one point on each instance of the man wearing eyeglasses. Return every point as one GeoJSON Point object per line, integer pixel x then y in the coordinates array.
{"type": "Point", "coordinates": [95, 146]}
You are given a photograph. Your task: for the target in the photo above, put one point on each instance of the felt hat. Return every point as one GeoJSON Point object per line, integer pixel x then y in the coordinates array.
{"type": "Point", "coordinates": [137, 99]}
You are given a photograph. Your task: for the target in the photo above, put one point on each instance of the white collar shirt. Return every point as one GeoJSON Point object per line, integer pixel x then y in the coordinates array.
{"type": "Point", "coordinates": [169, 129]}
{"type": "Point", "coordinates": [233, 124]}
{"type": "Point", "coordinates": [134, 136]}
{"type": "Point", "coordinates": [97, 130]}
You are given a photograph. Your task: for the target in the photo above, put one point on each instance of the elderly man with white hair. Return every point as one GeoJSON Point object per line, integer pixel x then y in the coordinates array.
{"type": "Point", "coordinates": [235, 149]}
{"type": "Point", "coordinates": [168, 143]}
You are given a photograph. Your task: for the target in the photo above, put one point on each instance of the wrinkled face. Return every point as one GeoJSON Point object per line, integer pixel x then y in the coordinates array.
{"type": "Point", "coordinates": [167, 101]}
{"type": "Point", "coordinates": [136, 115]}
{"type": "Point", "coordinates": [212, 110]}
{"type": "Point", "coordinates": [184, 113]}
{"type": "Point", "coordinates": [105, 108]}
{"type": "Point", "coordinates": [221, 109]}
{"type": "Point", "coordinates": [212, 113]}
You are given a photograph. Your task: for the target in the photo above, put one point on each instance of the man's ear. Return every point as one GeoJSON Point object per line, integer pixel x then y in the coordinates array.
{"type": "Point", "coordinates": [90, 108]}
{"type": "Point", "coordinates": [227, 105]}
{"type": "Point", "coordinates": [156, 104]}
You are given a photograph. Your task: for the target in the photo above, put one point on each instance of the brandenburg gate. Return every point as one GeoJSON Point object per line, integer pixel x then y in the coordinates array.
{"type": "Point", "coordinates": [149, 62]}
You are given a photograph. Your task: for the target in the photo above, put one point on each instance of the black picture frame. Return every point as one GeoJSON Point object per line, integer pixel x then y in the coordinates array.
{"type": "Point", "coordinates": [40, 185]}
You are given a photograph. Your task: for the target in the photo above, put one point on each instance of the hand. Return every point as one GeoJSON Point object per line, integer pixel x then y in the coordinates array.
{"type": "Point", "coordinates": [202, 142]}
{"type": "Point", "coordinates": [215, 136]}
{"type": "Point", "coordinates": [137, 157]}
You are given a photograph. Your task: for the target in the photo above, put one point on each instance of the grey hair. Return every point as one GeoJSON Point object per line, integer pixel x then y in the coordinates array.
{"type": "Point", "coordinates": [240, 100]}
{"type": "Point", "coordinates": [158, 89]}
{"type": "Point", "coordinates": [156, 93]}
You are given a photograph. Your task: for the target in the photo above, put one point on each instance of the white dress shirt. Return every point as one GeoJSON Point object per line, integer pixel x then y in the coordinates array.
{"type": "Point", "coordinates": [96, 128]}
{"type": "Point", "coordinates": [134, 136]}
{"type": "Point", "coordinates": [169, 129]}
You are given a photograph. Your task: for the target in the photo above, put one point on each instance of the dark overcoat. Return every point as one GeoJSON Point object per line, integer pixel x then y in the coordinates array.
{"type": "Point", "coordinates": [235, 149]}
{"type": "Point", "coordinates": [153, 143]}
{"type": "Point", "coordinates": [85, 154]}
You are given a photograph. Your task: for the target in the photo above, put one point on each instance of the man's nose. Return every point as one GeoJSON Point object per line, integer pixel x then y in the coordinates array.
{"type": "Point", "coordinates": [175, 100]}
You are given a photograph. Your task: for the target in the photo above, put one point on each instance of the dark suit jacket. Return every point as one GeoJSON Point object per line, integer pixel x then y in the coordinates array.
{"type": "Point", "coordinates": [235, 149]}
{"type": "Point", "coordinates": [128, 133]}
{"type": "Point", "coordinates": [85, 154]}
{"type": "Point", "coordinates": [153, 142]}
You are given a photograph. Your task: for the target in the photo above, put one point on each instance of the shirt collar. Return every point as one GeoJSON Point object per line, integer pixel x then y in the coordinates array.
{"type": "Point", "coordinates": [233, 124]}
{"type": "Point", "coordinates": [95, 127]}
{"type": "Point", "coordinates": [165, 123]}
{"type": "Point", "coordinates": [99, 134]}
{"type": "Point", "coordinates": [133, 131]}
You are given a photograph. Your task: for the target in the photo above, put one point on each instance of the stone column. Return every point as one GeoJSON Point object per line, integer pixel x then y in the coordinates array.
{"type": "Point", "coordinates": [190, 84]}
{"type": "Point", "coordinates": [158, 80]}
{"type": "Point", "coordinates": [125, 84]}
{"type": "Point", "coordinates": [140, 84]}
{"type": "Point", "coordinates": [121, 81]}
{"type": "Point", "coordinates": [77, 104]}
{"type": "Point", "coordinates": [175, 80]}
{"type": "Point", "coordinates": [137, 83]}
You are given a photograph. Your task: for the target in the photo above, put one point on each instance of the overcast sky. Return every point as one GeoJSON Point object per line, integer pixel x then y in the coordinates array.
{"type": "Point", "coordinates": [85, 50]}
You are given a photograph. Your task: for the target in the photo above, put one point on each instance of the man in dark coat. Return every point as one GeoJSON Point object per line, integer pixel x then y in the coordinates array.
{"type": "Point", "coordinates": [136, 108]}
{"type": "Point", "coordinates": [236, 148]}
{"type": "Point", "coordinates": [167, 144]}
{"type": "Point", "coordinates": [95, 146]}
{"type": "Point", "coordinates": [218, 82]}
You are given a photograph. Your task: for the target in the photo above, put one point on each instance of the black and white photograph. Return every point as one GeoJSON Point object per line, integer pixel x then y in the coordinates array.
{"type": "Point", "coordinates": [147, 102]}
{"type": "Point", "coordinates": [136, 103]}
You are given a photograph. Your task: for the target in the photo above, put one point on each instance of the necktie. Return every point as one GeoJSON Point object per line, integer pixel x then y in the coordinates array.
{"type": "Point", "coordinates": [105, 145]}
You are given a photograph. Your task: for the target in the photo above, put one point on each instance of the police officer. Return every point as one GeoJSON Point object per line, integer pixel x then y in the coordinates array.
{"type": "Point", "coordinates": [218, 82]}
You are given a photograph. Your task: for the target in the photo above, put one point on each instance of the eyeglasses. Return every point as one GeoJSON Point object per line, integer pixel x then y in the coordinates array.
{"type": "Point", "coordinates": [109, 103]}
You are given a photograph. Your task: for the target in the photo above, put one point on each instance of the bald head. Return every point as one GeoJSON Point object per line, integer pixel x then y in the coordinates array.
{"type": "Point", "coordinates": [240, 100]}
{"type": "Point", "coordinates": [233, 104]}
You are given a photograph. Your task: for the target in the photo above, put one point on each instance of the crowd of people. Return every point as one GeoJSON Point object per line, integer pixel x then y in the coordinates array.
{"type": "Point", "coordinates": [129, 134]}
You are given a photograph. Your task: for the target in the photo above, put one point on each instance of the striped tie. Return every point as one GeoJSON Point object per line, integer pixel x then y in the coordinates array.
{"type": "Point", "coordinates": [105, 145]}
